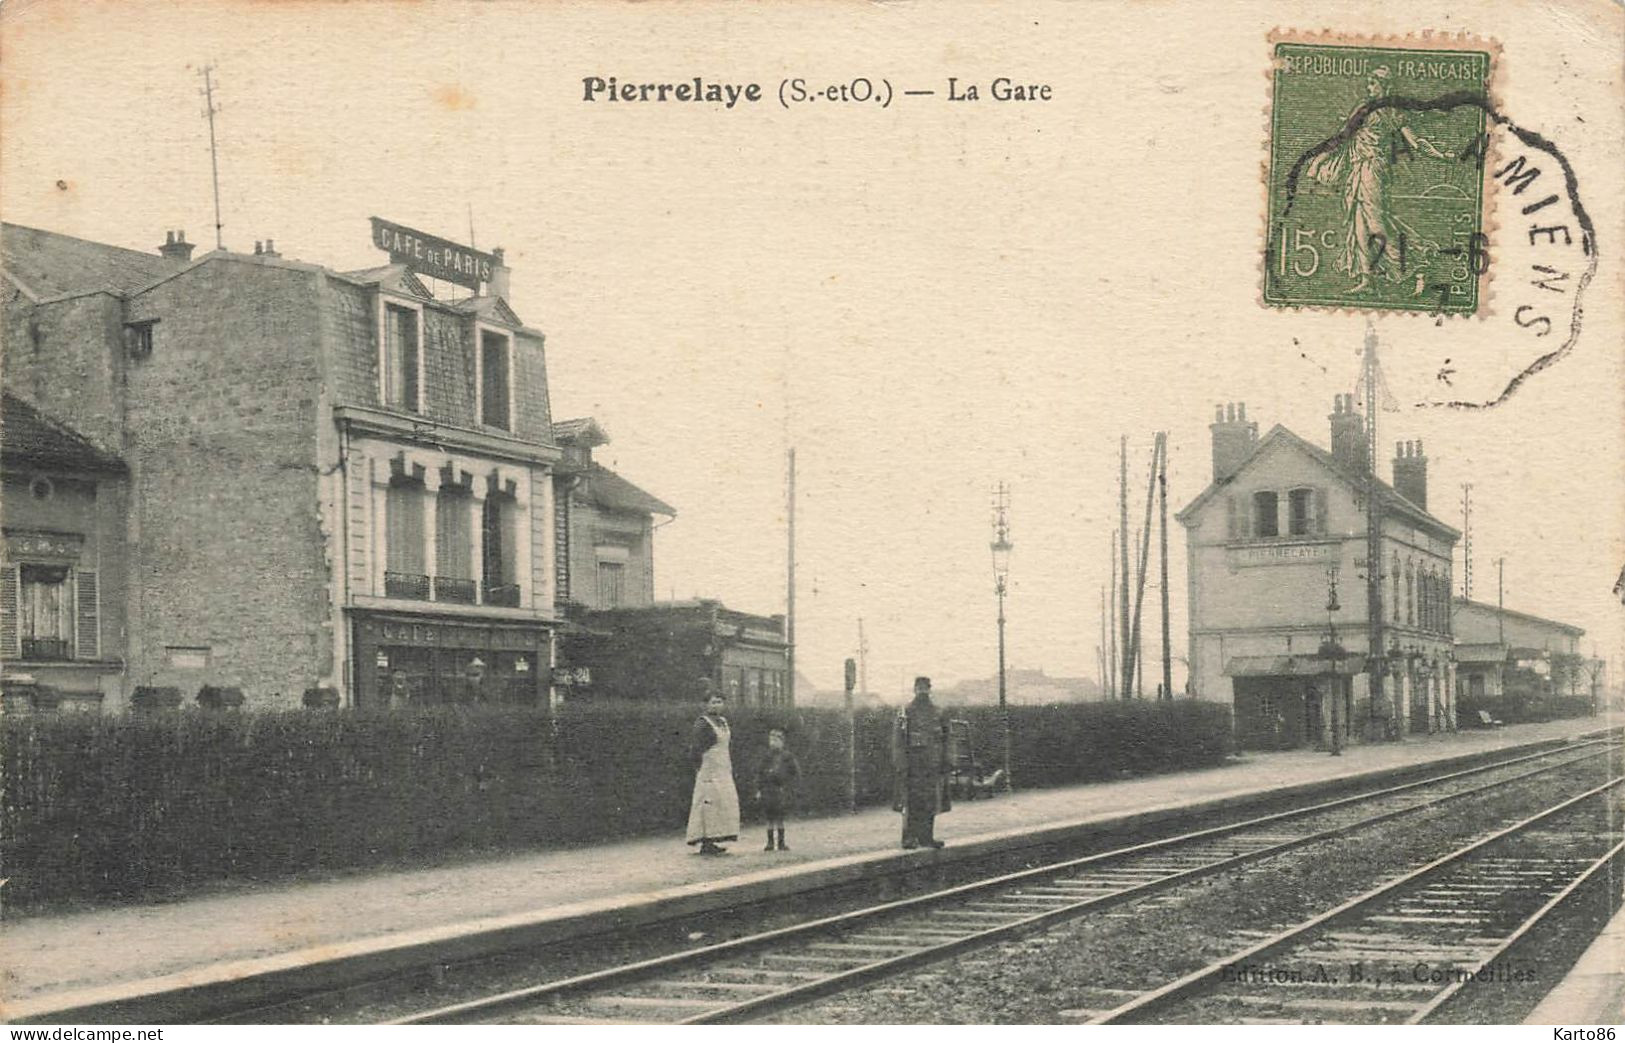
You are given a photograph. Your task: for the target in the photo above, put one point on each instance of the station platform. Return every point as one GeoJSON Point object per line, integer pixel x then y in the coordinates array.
{"type": "Point", "coordinates": [113, 964]}
{"type": "Point", "coordinates": [1593, 991]}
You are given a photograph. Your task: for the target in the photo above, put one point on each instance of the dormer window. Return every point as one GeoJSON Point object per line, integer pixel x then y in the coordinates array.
{"type": "Point", "coordinates": [496, 379]}
{"type": "Point", "coordinates": [401, 357]}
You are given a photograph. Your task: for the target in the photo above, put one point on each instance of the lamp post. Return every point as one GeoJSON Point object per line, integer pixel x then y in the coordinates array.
{"type": "Point", "coordinates": [1333, 653]}
{"type": "Point", "coordinates": [1001, 548]}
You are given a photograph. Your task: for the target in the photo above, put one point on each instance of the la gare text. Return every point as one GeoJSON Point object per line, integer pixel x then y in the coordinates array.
{"type": "Point", "coordinates": [729, 95]}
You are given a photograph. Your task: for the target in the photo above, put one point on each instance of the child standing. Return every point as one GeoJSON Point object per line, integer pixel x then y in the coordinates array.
{"type": "Point", "coordinates": [774, 782]}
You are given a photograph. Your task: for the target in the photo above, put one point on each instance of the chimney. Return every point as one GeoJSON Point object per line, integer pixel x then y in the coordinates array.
{"type": "Point", "coordinates": [270, 249]}
{"type": "Point", "coordinates": [1411, 473]}
{"type": "Point", "coordinates": [1234, 439]}
{"type": "Point", "coordinates": [175, 247]}
{"type": "Point", "coordinates": [1348, 435]}
{"type": "Point", "coordinates": [497, 285]}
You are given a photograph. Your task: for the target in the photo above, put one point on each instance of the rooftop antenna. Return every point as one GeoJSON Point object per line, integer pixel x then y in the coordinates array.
{"type": "Point", "coordinates": [209, 109]}
{"type": "Point", "coordinates": [471, 241]}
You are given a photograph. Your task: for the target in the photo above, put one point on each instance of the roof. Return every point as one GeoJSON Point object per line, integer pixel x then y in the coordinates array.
{"type": "Point", "coordinates": [1278, 433]}
{"type": "Point", "coordinates": [491, 309]}
{"type": "Point", "coordinates": [29, 438]}
{"type": "Point", "coordinates": [396, 278]}
{"type": "Point", "coordinates": [581, 430]}
{"type": "Point", "coordinates": [608, 489]}
{"type": "Point", "coordinates": [51, 264]}
{"type": "Point", "coordinates": [1527, 617]}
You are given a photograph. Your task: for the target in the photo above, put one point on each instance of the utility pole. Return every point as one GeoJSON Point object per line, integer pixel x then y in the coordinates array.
{"type": "Point", "coordinates": [790, 582]}
{"type": "Point", "coordinates": [1467, 540]}
{"type": "Point", "coordinates": [1142, 555]}
{"type": "Point", "coordinates": [1001, 548]}
{"type": "Point", "coordinates": [863, 660]}
{"type": "Point", "coordinates": [209, 110]}
{"type": "Point", "coordinates": [1127, 689]}
{"type": "Point", "coordinates": [1112, 611]}
{"type": "Point", "coordinates": [1162, 501]}
{"type": "Point", "coordinates": [1376, 659]}
{"type": "Point", "coordinates": [1105, 683]}
{"type": "Point", "coordinates": [1500, 601]}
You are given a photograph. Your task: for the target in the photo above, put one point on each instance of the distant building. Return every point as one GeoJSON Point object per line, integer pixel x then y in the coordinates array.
{"type": "Point", "coordinates": [664, 651]}
{"type": "Point", "coordinates": [605, 524]}
{"type": "Point", "coordinates": [62, 564]}
{"type": "Point", "coordinates": [1499, 650]}
{"type": "Point", "coordinates": [1281, 519]}
{"type": "Point", "coordinates": [1022, 688]}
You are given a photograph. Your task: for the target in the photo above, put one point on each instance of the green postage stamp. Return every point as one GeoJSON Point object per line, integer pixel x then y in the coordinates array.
{"type": "Point", "coordinates": [1376, 175]}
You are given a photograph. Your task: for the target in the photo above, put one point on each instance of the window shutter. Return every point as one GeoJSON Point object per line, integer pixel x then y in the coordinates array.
{"type": "Point", "coordinates": [1320, 512]}
{"type": "Point", "coordinates": [1232, 518]}
{"type": "Point", "coordinates": [10, 637]}
{"type": "Point", "coordinates": [87, 629]}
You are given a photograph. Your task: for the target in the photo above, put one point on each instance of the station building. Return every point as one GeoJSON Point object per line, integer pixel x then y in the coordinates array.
{"type": "Point", "coordinates": [1499, 651]}
{"type": "Point", "coordinates": [291, 479]}
{"type": "Point", "coordinates": [1282, 523]}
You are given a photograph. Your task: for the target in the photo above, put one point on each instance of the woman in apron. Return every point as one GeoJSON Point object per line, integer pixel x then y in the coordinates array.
{"type": "Point", "coordinates": [714, 814]}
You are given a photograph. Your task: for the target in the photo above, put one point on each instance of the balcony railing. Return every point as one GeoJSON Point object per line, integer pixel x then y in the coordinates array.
{"type": "Point", "coordinates": [503, 594]}
{"type": "Point", "coordinates": [46, 648]}
{"type": "Point", "coordinates": [406, 585]}
{"type": "Point", "coordinates": [452, 588]}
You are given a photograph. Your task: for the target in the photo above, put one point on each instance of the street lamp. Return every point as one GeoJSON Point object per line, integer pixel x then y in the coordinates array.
{"type": "Point", "coordinates": [1333, 653]}
{"type": "Point", "coordinates": [1001, 548]}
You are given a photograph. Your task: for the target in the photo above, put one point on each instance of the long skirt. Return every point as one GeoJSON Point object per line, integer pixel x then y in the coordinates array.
{"type": "Point", "coordinates": [714, 813]}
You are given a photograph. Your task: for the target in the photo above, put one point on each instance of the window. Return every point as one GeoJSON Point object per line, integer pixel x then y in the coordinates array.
{"type": "Point", "coordinates": [561, 544]}
{"type": "Point", "coordinates": [1410, 592]}
{"type": "Point", "coordinates": [611, 584]}
{"type": "Point", "coordinates": [1300, 508]}
{"type": "Point", "coordinates": [138, 338]}
{"type": "Point", "coordinates": [402, 358]}
{"type": "Point", "coordinates": [1265, 520]}
{"type": "Point", "coordinates": [453, 545]}
{"type": "Point", "coordinates": [496, 393]}
{"type": "Point", "coordinates": [43, 613]}
{"type": "Point", "coordinates": [497, 565]}
{"type": "Point", "coordinates": [404, 568]}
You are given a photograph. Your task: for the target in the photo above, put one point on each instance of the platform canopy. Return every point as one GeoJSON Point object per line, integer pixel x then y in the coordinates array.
{"type": "Point", "coordinates": [1292, 666]}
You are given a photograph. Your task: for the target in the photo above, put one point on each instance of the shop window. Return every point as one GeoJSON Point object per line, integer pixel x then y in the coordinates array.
{"type": "Point", "coordinates": [453, 545]}
{"type": "Point", "coordinates": [43, 614]}
{"type": "Point", "coordinates": [611, 584]}
{"type": "Point", "coordinates": [405, 572]}
{"type": "Point", "coordinates": [1300, 511]}
{"type": "Point", "coordinates": [403, 359]}
{"type": "Point", "coordinates": [498, 565]}
{"type": "Point", "coordinates": [496, 384]}
{"type": "Point", "coordinates": [1265, 519]}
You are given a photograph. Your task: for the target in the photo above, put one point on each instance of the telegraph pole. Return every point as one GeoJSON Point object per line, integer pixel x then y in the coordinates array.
{"type": "Point", "coordinates": [1112, 612]}
{"type": "Point", "coordinates": [209, 110]}
{"type": "Point", "coordinates": [1162, 500]}
{"type": "Point", "coordinates": [790, 583]}
{"type": "Point", "coordinates": [1376, 660]}
{"type": "Point", "coordinates": [863, 660]}
{"type": "Point", "coordinates": [1127, 689]}
{"type": "Point", "coordinates": [1500, 601]}
{"type": "Point", "coordinates": [1467, 540]}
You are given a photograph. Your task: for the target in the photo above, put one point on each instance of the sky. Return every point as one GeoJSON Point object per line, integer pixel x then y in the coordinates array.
{"type": "Point", "coordinates": [924, 299]}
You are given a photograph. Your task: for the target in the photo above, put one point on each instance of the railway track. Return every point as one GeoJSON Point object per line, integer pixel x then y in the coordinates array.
{"type": "Point", "coordinates": [754, 975]}
{"type": "Point", "coordinates": [1404, 950]}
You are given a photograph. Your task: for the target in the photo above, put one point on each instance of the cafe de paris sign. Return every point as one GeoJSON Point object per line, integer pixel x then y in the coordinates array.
{"type": "Point", "coordinates": [433, 256]}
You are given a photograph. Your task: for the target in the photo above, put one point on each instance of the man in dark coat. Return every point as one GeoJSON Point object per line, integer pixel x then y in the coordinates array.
{"type": "Point", "coordinates": [920, 761]}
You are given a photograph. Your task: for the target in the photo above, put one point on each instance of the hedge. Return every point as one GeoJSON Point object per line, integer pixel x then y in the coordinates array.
{"type": "Point", "coordinates": [149, 805]}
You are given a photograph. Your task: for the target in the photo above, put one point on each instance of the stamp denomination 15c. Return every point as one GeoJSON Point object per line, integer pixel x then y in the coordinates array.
{"type": "Point", "coordinates": [1376, 177]}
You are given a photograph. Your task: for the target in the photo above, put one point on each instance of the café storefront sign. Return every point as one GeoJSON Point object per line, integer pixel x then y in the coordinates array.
{"type": "Point", "coordinates": [433, 256]}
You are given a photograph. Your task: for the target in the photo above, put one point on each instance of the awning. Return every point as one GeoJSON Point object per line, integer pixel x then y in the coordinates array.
{"type": "Point", "coordinates": [1292, 666]}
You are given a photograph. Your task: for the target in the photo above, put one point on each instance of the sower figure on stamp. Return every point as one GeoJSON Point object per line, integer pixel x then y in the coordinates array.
{"type": "Point", "coordinates": [920, 761]}
{"type": "Point", "coordinates": [713, 816]}
{"type": "Point", "coordinates": [1360, 166]}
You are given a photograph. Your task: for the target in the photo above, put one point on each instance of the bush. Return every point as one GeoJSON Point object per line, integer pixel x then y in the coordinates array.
{"type": "Point", "coordinates": [150, 804]}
